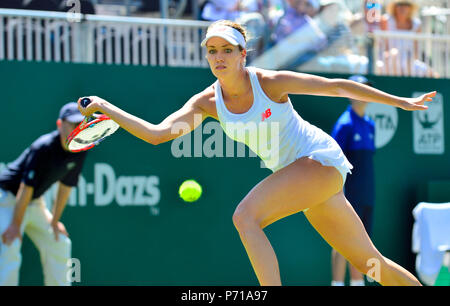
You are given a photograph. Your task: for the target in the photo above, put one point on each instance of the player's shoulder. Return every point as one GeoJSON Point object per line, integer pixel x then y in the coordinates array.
{"type": "Point", "coordinates": [205, 95]}
{"type": "Point", "coordinates": [205, 100]}
{"type": "Point", "coordinates": [273, 82]}
{"type": "Point", "coordinates": [279, 76]}
{"type": "Point", "coordinates": [276, 81]}
{"type": "Point", "coordinates": [265, 75]}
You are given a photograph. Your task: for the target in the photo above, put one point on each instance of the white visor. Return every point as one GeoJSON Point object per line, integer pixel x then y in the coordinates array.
{"type": "Point", "coordinates": [230, 34]}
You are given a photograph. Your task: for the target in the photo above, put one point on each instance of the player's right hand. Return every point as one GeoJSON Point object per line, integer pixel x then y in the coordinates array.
{"type": "Point", "coordinates": [11, 233]}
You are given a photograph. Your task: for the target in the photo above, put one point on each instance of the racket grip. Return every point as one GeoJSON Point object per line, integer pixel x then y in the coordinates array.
{"type": "Point", "coordinates": [85, 102]}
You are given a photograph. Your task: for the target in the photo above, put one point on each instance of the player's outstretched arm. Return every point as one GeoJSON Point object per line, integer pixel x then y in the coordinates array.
{"type": "Point", "coordinates": [167, 130]}
{"type": "Point", "coordinates": [288, 82]}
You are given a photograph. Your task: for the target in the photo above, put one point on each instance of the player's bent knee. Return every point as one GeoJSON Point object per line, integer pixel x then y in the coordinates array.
{"type": "Point", "coordinates": [239, 220]}
{"type": "Point", "coordinates": [243, 219]}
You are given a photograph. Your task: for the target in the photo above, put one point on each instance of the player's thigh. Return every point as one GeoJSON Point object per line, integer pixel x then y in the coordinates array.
{"type": "Point", "coordinates": [337, 222]}
{"type": "Point", "coordinates": [300, 185]}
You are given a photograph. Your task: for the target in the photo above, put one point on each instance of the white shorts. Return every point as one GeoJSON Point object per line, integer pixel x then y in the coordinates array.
{"type": "Point", "coordinates": [329, 153]}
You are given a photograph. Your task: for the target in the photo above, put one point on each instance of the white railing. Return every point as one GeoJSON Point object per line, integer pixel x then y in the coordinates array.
{"type": "Point", "coordinates": [411, 54]}
{"type": "Point", "coordinates": [62, 37]}
{"type": "Point", "coordinates": [436, 20]}
{"type": "Point", "coordinates": [58, 37]}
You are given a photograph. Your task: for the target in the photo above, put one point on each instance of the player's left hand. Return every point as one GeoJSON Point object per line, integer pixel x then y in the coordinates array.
{"type": "Point", "coordinates": [59, 228]}
{"type": "Point", "coordinates": [412, 104]}
{"type": "Point", "coordinates": [94, 106]}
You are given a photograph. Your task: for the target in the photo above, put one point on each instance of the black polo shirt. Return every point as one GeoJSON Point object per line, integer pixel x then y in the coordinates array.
{"type": "Point", "coordinates": [41, 165]}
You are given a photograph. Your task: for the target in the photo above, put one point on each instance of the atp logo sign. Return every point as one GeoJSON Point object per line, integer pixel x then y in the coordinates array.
{"type": "Point", "coordinates": [386, 122]}
{"type": "Point", "coordinates": [428, 127]}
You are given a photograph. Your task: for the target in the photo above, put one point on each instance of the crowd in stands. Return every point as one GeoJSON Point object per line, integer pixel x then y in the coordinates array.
{"type": "Point", "coordinates": [274, 23]}
{"type": "Point", "coordinates": [401, 17]}
{"type": "Point", "coordinates": [334, 26]}
{"type": "Point", "coordinates": [329, 23]}
{"type": "Point", "coordinates": [268, 22]}
{"type": "Point", "coordinates": [328, 29]}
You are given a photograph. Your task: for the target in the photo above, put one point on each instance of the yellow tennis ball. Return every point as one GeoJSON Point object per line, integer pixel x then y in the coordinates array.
{"type": "Point", "coordinates": [190, 191]}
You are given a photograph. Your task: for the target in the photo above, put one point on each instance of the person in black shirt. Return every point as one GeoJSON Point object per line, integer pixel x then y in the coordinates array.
{"type": "Point", "coordinates": [23, 209]}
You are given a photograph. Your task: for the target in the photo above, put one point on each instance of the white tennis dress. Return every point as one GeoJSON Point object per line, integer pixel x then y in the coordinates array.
{"type": "Point", "coordinates": [276, 132]}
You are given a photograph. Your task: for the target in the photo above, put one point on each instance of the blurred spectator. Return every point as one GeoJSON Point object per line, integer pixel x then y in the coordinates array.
{"type": "Point", "coordinates": [372, 19]}
{"type": "Point", "coordinates": [149, 6]}
{"type": "Point", "coordinates": [372, 15]}
{"type": "Point", "coordinates": [214, 10]}
{"type": "Point", "coordinates": [86, 6]}
{"type": "Point", "coordinates": [296, 38]}
{"type": "Point", "coordinates": [341, 53]}
{"type": "Point", "coordinates": [400, 15]}
{"type": "Point", "coordinates": [257, 31]}
{"type": "Point", "coordinates": [289, 22]}
{"type": "Point", "coordinates": [11, 4]}
{"type": "Point", "coordinates": [176, 8]}
{"type": "Point", "coordinates": [42, 5]}
{"type": "Point", "coordinates": [275, 10]}
{"type": "Point", "coordinates": [245, 12]}
{"type": "Point", "coordinates": [309, 7]}
{"type": "Point", "coordinates": [400, 56]}
{"type": "Point", "coordinates": [297, 14]}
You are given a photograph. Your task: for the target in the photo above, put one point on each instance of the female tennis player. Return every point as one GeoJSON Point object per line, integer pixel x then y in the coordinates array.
{"type": "Point", "coordinates": [311, 167]}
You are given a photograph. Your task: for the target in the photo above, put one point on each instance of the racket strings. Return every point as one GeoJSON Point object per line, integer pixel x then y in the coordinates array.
{"type": "Point", "coordinates": [93, 134]}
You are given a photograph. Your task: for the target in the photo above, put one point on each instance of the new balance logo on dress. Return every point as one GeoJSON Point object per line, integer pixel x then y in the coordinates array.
{"type": "Point", "coordinates": [266, 114]}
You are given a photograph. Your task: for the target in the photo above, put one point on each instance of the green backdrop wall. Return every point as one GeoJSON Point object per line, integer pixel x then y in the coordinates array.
{"type": "Point", "coordinates": [151, 237]}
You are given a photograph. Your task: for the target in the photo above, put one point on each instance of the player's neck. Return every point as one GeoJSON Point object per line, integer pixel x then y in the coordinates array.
{"type": "Point", "coordinates": [235, 86]}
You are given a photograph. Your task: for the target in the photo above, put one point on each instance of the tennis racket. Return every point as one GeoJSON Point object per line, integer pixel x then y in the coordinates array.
{"type": "Point", "coordinates": [91, 131]}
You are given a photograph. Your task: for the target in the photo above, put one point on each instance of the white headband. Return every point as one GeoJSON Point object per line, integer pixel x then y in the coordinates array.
{"type": "Point", "coordinates": [230, 34]}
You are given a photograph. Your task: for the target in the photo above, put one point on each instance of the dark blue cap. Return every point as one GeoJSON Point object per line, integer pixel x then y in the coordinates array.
{"type": "Point", "coordinates": [360, 79]}
{"type": "Point", "coordinates": [69, 112]}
